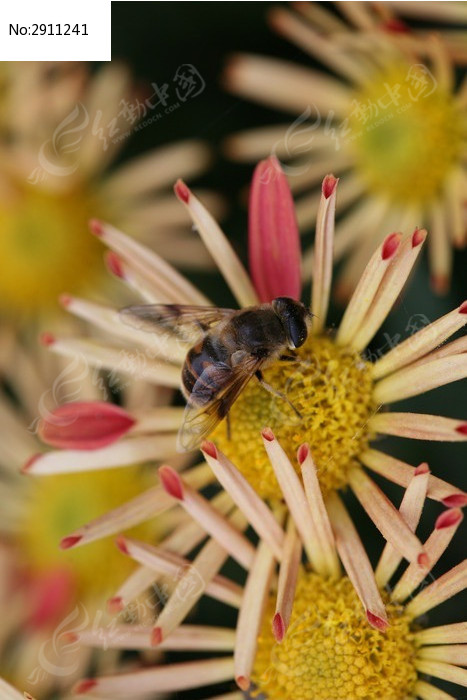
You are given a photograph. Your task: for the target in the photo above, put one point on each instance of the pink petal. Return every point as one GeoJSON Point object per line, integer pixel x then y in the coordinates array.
{"type": "Point", "coordinates": [274, 242]}
{"type": "Point", "coordinates": [51, 594]}
{"type": "Point", "coordinates": [378, 622]}
{"type": "Point", "coordinates": [329, 185]}
{"type": "Point", "coordinates": [84, 425]}
{"type": "Point", "coordinates": [396, 26]}
{"type": "Point", "coordinates": [85, 686]}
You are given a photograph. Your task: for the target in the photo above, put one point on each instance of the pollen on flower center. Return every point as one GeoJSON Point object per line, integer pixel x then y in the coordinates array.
{"type": "Point", "coordinates": [330, 651]}
{"type": "Point", "coordinates": [406, 134]}
{"type": "Point", "coordinates": [331, 387]}
{"type": "Point", "coordinates": [60, 504]}
{"type": "Point", "coordinates": [46, 247]}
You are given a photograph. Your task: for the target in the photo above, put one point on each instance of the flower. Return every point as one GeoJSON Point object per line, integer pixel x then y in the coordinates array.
{"type": "Point", "coordinates": [48, 87]}
{"type": "Point", "coordinates": [46, 591]}
{"type": "Point", "coordinates": [56, 124]}
{"type": "Point", "coordinates": [60, 129]}
{"type": "Point", "coordinates": [390, 117]}
{"type": "Point", "coordinates": [338, 392]}
{"type": "Point", "coordinates": [301, 632]}
{"type": "Point", "coordinates": [333, 384]}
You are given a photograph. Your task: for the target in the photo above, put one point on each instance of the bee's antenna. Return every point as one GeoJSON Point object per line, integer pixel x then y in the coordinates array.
{"type": "Point", "coordinates": [311, 314]}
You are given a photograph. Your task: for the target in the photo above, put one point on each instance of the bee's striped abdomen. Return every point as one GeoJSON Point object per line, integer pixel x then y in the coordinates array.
{"type": "Point", "coordinates": [206, 368]}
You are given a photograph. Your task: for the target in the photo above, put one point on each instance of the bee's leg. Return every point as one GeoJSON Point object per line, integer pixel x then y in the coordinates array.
{"type": "Point", "coordinates": [276, 392]}
{"type": "Point", "coordinates": [228, 427]}
{"type": "Point", "coordinates": [289, 358]}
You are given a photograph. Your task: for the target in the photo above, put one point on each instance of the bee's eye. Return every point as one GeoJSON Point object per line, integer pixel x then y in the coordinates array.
{"type": "Point", "coordinates": [297, 331]}
{"type": "Point", "coordinates": [292, 315]}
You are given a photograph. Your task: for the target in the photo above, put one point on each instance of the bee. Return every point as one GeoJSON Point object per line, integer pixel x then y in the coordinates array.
{"type": "Point", "coordinates": [228, 349]}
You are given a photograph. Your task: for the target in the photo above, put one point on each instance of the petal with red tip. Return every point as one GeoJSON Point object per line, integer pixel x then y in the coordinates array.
{"type": "Point", "coordinates": [71, 541]}
{"type": "Point", "coordinates": [390, 245]}
{"type": "Point", "coordinates": [84, 425]}
{"type": "Point", "coordinates": [171, 482]}
{"type": "Point", "coordinates": [50, 596]}
{"type": "Point", "coordinates": [278, 627]}
{"type": "Point", "coordinates": [115, 604]}
{"type": "Point", "coordinates": [329, 185]}
{"type": "Point", "coordinates": [95, 226]}
{"type": "Point", "coordinates": [209, 448]}
{"type": "Point", "coordinates": [114, 264]}
{"type": "Point", "coordinates": [457, 500]}
{"type": "Point", "coordinates": [378, 622]}
{"type": "Point", "coordinates": [396, 26]}
{"type": "Point", "coordinates": [85, 686]}
{"type": "Point", "coordinates": [122, 546]}
{"type": "Point", "coordinates": [448, 518]}
{"type": "Point", "coordinates": [418, 237]}
{"type": "Point", "coordinates": [156, 636]}
{"type": "Point", "coordinates": [182, 191]}
{"type": "Point", "coordinates": [47, 339]}
{"type": "Point", "coordinates": [274, 242]}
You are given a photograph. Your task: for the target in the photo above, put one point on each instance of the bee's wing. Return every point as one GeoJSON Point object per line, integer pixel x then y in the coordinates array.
{"type": "Point", "coordinates": [227, 383]}
{"type": "Point", "coordinates": [186, 322]}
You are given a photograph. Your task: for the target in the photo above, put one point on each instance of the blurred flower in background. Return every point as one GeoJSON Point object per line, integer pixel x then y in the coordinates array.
{"type": "Point", "coordinates": [391, 117]}
{"type": "Point", "coordinates": [47, 593]}
{"type": "Point", "coordinates": [300, 633]}
{"type": "Point", "coordinates": [60, 129]}
{"type": "Point", "coordinates": [44, 89]}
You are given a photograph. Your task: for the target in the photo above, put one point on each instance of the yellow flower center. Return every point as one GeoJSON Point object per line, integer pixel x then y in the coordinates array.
{"type": "Point", "coordinates": [331, 652]}
{"type": "Point", "coordinates": [46, 248]}
{"type": "Point", "coordinates": [331, 387]}
{"type": "Point", "coordinates": [406, 133]}
{"type": "Point", "coordinates": [58, 505]}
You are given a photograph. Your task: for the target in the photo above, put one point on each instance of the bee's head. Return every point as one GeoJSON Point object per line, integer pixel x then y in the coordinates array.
{"type": "Point", "coordinates": [295, 317]}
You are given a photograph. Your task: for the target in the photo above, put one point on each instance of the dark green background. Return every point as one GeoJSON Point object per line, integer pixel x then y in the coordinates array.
{"type": "Point", "coordinates": [154, 38]}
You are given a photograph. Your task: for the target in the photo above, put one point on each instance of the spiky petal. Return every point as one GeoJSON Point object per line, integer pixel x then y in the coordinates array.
{"type": "Point", "coordinates": [324, 243]}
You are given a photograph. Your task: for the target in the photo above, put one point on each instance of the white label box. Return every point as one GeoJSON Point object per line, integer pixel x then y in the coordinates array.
{"type": "Point", "coordinates": [51, 30]}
